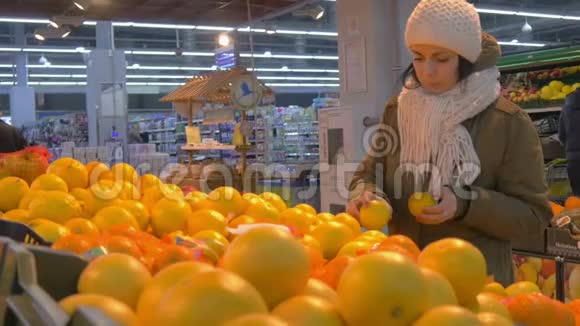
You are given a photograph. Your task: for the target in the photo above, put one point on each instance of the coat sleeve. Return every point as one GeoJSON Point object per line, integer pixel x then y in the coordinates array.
{"type": "Point", "coordinates": [19, 140]}
{"type": "Point", "coordinates": [366, 175]}
{"type": "Point", "coordinates": [562, 128]}
{"type": "Point", "coordinates": [518, 209]}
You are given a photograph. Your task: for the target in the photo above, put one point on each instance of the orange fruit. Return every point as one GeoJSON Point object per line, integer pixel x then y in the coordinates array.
{"type": "Point", "coordinates": [309, 241]}
{"type": "Point", "coordinates": [169, 215]}
{"type": "Point", "coordinates": [164, 280]}
{"type": "Point", "coordinates": [73, 243]}
{"type": "Point", "coordinates": [17, 215]}
{"type": "Point", "coordinates": [193, 300]}
{"type": "Point", "coordinates": [439, 290]}
{"type": "Point", "coordinates": [308, 311]}
{"type": "Point", "coordinates": [25, 201]}
{"type": "Point", "coordinates": [574, 305]}
{"type": "Point", "coordinates": [494, 288]}
{"type": "Point", "coordinates": [242, 219]}
{"type": "Point", "coordinates": [196, 199]}
{"type": "Point", "coordinates": [206, 219]}
{"type": "Point", "coordinates": [315, 258]}
{"type": "Point", "coordinates": [48, 230]}
{"type": "Point", "coordinates": [124, 172]}
{"type": "Point", "coordinates": [113, 215]}
{"type": "Point", "coordinates": [214, 240]}
{"type": "Point", "coordinates": [172, 254]}
{"type": "Point", "coordinates": [263, 212]}
{"type": "Point", "coordinates": [556, 208]}
{"type": "Point", "coordinates": [126, 230]}
{"type": "Point", "coordinates": [56, 206]}
{"type": "Point", "coordinates": [326, 217]}
{"type": "Point", "coordinates": [122, 245]}
{"type": "Point", "coordinates": [129, 191]}
{"type": "Point", "coordinates": [118, 276]}
{"type": "Point", "coordinates": [319, 289]}
{"type": "Point", "coordinates": [147, 181]}
{"type": "Point", "coordinates": [275, 200]}
{"type": "Point", "coordinates": [13, 190]}
{"type": "Point", "coordinates": [113, 309]}
{"type": "Point", "coordinates": [332, 236]}
{"type": "Point", "coordinates": [354, 248]}
{"type": "Point", "coordinates": [491, 319]}
{"type": "Point", "coordinates": [96, 171]}
{"type": "Point", "coordinates": [139, 211]}
{"type": "Point", "coordinates": [373, 236]}
{"type": "Point", "coordinates": [535, 309]}
{"type": "Point", "coordinates": [256, 320]}
{"type": "Point", "coordinates": [306, 208]}
{"type": "Point", "coordinates": [275, 263]}
{"type": "Point", "coordinates": [448, 316]}
{"type": "Point", "coordinates": [405, 242]}
{"type": "Point", "coordinates": [488, 302]}
{"type": "Point", "coordinates": [298, 219]}
{"type": "Point", "coordinates": [418, 201]}
{"type": "Point", "coordinates": [153, 194]}
{"type": "Point", "coordinates": [391, 247]}
{"type": "Point", "coordinates": [333, 270]}
{"type": "Point", "coordinates": [522, 287]}
{"type": "Point", "coordinates": [49, 182]}
{"type": "Point", "coordinates": [572, 202]}
{"type": "Point", "coordinates": [445, 255]}
{"type": "Point", "coordinates": [102, 194]}
{"type": "Point", "coordinates": [548, 268]}
{"type": "Point", "coordinates": [375, 216]}
{"type": "Point", "coordinates": [227, 201]}
{"type": "Point", "coordinates": [382, 289]}
{"type": "Point", "coordinates": [349, 221]}
{"type": "Point", "coordinates": [574, 283]}
{"type": "Point", "coordinates": [73, 172]}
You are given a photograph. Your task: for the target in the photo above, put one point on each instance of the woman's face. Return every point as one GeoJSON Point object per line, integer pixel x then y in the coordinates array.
{"type": "Point", "coordinates": [437, 68]}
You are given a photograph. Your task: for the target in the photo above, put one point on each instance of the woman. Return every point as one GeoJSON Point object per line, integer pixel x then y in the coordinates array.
{"type": "Point", "coordinates": [479, 153]}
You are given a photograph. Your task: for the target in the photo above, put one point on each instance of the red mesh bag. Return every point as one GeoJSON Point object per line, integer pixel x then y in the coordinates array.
{"type": "Point", "coordinates": [27, 164]}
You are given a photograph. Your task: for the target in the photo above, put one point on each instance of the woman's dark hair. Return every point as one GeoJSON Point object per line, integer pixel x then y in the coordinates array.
{"type": "Point", "coordinates": [466, 68]}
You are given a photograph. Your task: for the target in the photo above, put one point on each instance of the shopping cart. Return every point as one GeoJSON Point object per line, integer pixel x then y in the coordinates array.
{"type": "Point", "coordinates": [557, 179]}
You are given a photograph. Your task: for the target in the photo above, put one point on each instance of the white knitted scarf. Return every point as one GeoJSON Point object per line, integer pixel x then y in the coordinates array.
{"type": "Point", "coordinates": [431, 132]}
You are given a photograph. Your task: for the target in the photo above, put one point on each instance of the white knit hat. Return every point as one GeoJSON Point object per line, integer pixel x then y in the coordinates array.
{"type": "Point", "coordinates": [450, 24]}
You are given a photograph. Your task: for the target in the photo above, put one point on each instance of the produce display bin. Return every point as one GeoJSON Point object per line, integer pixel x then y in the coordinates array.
{"type": "Point", "coordinates": [21, 233]}
{"type": "Point", "coordinates": [32, 279]}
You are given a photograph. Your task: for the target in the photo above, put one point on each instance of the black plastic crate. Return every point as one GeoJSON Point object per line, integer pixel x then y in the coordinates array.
{"type": "Point", "coordinates": [33, 279]}
{"type": "Point", "coordinates": [21, 233]}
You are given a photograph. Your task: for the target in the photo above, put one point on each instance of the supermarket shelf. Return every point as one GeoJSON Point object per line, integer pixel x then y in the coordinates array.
{"type": "Point", "coordinates": [543, 110]}
{"type": "Point", "coordinates": [159, 130]}
{"type": "Point", "coordinates": [161, 141]}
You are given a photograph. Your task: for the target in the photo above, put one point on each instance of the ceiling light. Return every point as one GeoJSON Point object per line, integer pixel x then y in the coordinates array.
{"type": "Point", "coordinates": [82, 4]}
{"type": "Point", "coordinates": [224, 40]}
{"type": "Point", "coordinates": [268, 53]}
{"type": "Point", "coordinates": [315, 12]}
{"type": "Point", "coordinates": [62, 20]}
{"type": "Point", "coordinates": [527, 28]}
{"type": "Point", "coordinates": [517, 43]}
{"type": "Point", "coordinates": [42, 34]}
{"type": "Point", "coordinates": [215, 28]}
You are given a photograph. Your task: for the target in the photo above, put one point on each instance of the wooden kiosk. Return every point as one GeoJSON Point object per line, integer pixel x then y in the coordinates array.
{"type": "Point", "coordinates": [236, 89]}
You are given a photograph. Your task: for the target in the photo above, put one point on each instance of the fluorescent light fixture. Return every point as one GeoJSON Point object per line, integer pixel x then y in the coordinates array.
{"type": "Point", "coordinates": [23, 20]}
{"type": "Point", "coordinates": [268, 53]}
{"type": "Point", "coordinates": [315, 70]}
{"type": "Point", "coordinates": [539, 15]}
{"type": "Point", "coordinates": [59, 66]}
{"type": "Point", "coordinates": [164, 26]}
{"type": "Point", "coordinates": [42, 34]}
{"type": "Point", "coordinates": [525, 14]}
{"type": "Point", "coordinates": [158, 77]}
{"type": "Point", "coordinates": [134, 66]}
{"type": "Point", "coordinates": [323, 33]}
{"type": "Point", "coordinates": [50, 50]}
{"type": "Point", "coordinates": [255, 30]}
{"type": "Point", "coordinates": [298, 78]}
{"type": "Point", "coordinates": [150, 52]}
{"type": "Point", "coordinates": [56, 76]}
{"type": "Point", "coordinates": [10, 49]}
{"type": "Point", "coordinates": [215, 28]}
{"type": "Point", "coordinates": [81, 49]}
{"type": "Point", "coordinates": [199, 54]}
{"type": "Point", "coordinates": [7, 75]}
{"type": "Point", "coordinates": [497, 12]}
{"type": "Point", "coordinates": [136, 84]}
{"type": "Point", "coordinates": [270, 32]}
{"type": "Point", "coordinates": [301, 85]}
{"type": "Point", "coordinates": [283, 31]}
{"type": "Point", "coordinates": [62, 20]}
{"type": "Point", "coordinates": [7, 83]}
{"type": "Point", "coordinates": [6, 66]}
{"type": "Point", "coordinates": [524, 44]}
{"type": "Point", "coordinates": [92, 23]}
{"type": "Point", "coordinates": [154, 84]}
{"type": "Point", "coordinates": [82, 4]}
{"type": "Point", "coordinates": [49, 83]}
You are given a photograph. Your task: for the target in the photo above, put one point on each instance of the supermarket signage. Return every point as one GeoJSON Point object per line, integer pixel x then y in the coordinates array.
{"type": "Point", "coordinates": [225, 57]}
{"type": "Point", "coordinates": [246, 92]}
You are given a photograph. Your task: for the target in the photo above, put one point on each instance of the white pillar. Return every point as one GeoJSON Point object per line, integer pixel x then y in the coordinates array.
{"type": "Point", "coordinates": [106, 89]}
{"type": "Point", "coordinates": [372, 57]}
{"type": "Point", "coordinates": [22, 97]}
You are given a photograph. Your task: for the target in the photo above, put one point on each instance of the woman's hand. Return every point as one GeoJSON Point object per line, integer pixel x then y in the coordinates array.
{"type": "Point", "coordinates": [442, 212]}
{"type": "Point", "coordinates": [353, 207]}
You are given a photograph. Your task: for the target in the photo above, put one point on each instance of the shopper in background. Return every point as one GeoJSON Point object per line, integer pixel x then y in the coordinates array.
{"type": "Point", "coordinates": [11, 139]}
{"type": "Point", "coordinates": [484, 149]}
{"type": "Point", "coordinates": [569, 134]}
